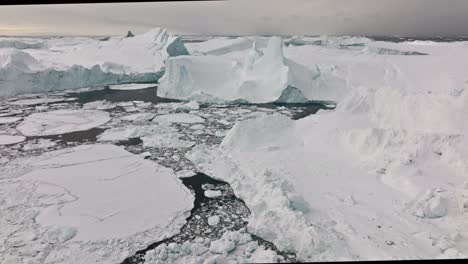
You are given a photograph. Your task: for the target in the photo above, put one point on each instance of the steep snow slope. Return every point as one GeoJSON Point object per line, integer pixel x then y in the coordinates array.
{"type": "Point", "coordinates": [384, 176]}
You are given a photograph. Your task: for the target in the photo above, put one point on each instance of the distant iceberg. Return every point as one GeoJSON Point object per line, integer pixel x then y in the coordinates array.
{"type": "Point", "coordinates": [70, 63]}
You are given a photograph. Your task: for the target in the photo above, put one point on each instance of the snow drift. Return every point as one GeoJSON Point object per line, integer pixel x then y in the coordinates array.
{"type": "Point", "coordinates": [383, 176]}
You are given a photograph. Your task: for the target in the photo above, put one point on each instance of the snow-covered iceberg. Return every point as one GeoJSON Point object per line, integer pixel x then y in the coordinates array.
{"type": "Point", "coordinates": [21, 73]}
{"type": "Point", "coordinates": [262, 76]}
{"type": "Point", "coordinates": [69, 63]}
{"type": "Point", "coordinates": [383, 176]}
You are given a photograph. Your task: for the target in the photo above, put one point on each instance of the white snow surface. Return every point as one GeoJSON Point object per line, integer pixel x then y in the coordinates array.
{"type": "Point", "coordinates": [87, 204]}
{"type": "Point", "coordinates": [61, 122]}
{"type": "Point", "coordinates": [90, 176]}
{"type": "Point", "coordinates": [380, 177]}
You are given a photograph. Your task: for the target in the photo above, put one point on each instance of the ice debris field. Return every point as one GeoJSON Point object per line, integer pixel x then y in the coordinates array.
{"type": "Point", "coordinates": [151, 149]}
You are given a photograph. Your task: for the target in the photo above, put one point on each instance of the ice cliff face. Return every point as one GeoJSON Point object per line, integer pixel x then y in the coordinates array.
{"type": "Point", "coordinates": [21, 73]}
{"type": "Point", "coordinates": [70, 63]}
{"type": "Point", "coordinates": [262, 76]}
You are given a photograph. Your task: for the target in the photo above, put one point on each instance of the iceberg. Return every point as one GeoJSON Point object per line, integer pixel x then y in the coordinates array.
{"type": "Point", "coordinates": [71, 63]}
{"type": "Point", "coordinates": [382, 176]}
{"type": "Point", "coordinates": [261, 77]}
{"type": "Point", "coordinates": [21, 44]}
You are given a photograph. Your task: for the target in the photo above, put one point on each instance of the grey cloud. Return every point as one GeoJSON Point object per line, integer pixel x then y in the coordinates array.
{"type": "Point", "coordinates": [279, 17]}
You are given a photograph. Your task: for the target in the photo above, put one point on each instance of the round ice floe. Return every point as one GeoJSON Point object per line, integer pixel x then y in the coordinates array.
{"type": "Point", "coordinates": [212, 194]}
{"type": "Point", "coordinates": [7, 139]}
{"type": "Point", "coordinates": [213, 220]}
{"type": "Point", "coordinates": [105, 188]}
{"type": "Point", "coordinates": [178, 118]}
{"type": "Point", "coordinates": [62, 121]}
{"type": "Point", "coordinates": [132, 86]}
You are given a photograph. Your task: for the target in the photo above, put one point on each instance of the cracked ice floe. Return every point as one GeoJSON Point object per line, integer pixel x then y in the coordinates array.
{"type": "Point", "coordinates": [261, 77]}
{"type": "Point", "coordinates": [156, 136]}
{"type": "Point", "coordinates": [9, 139]}
{"type": "Point", "coordinates": [139, 117]}
{"type": "Point", "coordinates": [86, 179]}
{"type": "Point", "coordinates": [62, 121]}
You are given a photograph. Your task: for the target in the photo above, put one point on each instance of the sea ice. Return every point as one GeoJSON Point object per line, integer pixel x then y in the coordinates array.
{"type": "Point", "coordinates": [91, 175]}
{"type": "Point", "coordinates": [178, 118]}
{"type": "Point", "coordinates": [61, 121]}
{"type": "Point", "coordinates": [39, 101]}
{"type": "Point", "coordinates": [9, 120]}
{"type": "Point", "coordinates": [213, 220]}
{"type": "Point", "coordinates": [8, 139]}
{"type": "Point", "coordinates": [170, 140]}
{"type": "Point", "coordinates": [212, 194]}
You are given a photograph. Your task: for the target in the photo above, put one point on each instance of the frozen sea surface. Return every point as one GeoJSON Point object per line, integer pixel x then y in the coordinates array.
{"type": "Point", "coordinates": [71, 158]}
{"type": "Point", "coordinates": [302, 149]}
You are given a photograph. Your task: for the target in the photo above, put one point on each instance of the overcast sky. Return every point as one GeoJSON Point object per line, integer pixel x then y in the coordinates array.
{"type": "Point", "coordinates": [244, 17]}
